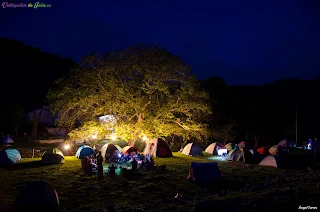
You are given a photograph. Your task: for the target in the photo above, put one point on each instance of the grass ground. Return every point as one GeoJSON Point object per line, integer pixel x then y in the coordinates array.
{"type": "Point", "coordinates": [253, 188]}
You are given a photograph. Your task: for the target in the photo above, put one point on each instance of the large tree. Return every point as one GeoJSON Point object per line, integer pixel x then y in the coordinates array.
{"type": "Point", "coordinates": [148, 90]}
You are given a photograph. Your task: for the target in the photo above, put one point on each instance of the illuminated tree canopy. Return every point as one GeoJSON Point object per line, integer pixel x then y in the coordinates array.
{"type": "Point", "coordinates": [150, 92]}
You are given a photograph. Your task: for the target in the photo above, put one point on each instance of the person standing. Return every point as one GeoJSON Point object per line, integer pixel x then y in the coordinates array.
{"type": "Point", "coordinates": [134, 165]}
{"type": "Point", "coordinates": [100, 167]}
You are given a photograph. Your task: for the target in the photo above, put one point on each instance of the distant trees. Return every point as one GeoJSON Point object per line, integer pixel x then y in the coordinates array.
{"type": "Point", "coordinates": [149, 91]}
{"type": "Point", "coordinates": [12, 119]}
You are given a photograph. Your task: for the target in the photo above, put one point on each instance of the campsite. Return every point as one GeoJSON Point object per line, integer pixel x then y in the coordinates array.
{"type": "Point", "coordinates": [240, 187]}
{"type": "Point", "coordinates": [169, 106]}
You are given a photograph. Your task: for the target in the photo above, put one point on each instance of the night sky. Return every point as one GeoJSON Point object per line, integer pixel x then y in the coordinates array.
{"type": "Point", "coordinates": [245, 42]}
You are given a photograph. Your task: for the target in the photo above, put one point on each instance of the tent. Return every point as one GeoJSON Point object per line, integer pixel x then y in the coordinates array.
{"type": "Point", "coordinates": [84, 151]}
{"type": "Point", "coordinates": [37, 196]}
{"type": "Point", "coordinates": [263, 151]}
{"type": "Point", "coordinates": [274, 150]}
{"type": "Point", "coordinates": [213, 148]}
{"type": "Point", "coordinates": [158, 148]}
{"type": "Point", "coordinates": [129, 150]}
{"type": "Point", "coordinates": [192, 149]}
{"type": "Point", "coordinates": [109, 149]}
{"type": "Point", "coordinates": [53, 156]}
{"type": "Point", "coordinates": [283, 143]}
{"type": "Point", "coordinates": [7, 140]}
{"type": "Point", "coordinates": [272, 160]}
{"type": "Point", "coordinates": [204, 172]}
{"type": "Point", "coordinates": [9, 156]}
{"type": "Point", "coordinates": [229, 146]}
{"type": "Point", "coordinates": [242, 144]}
{"type": "Point", "coordinates": [257, 157]}
{"type": "Point", "coordinates": [235, 155]}
{"type": "Point", "coordinates": [53, 151]}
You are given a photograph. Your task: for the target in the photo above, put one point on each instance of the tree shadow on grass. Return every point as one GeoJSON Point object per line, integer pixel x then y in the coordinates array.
{"type": "Point", "coordinates": [27, 165]}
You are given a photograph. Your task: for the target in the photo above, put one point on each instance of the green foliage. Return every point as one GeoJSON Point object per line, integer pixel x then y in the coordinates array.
{"type": "Point", "coordinates": [149, 91]}
{"type": "Point", "coordinates": [87, 130]}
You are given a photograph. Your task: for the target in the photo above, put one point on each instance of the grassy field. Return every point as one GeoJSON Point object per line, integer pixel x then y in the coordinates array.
{"type": "Point", "coordinates": [252, 188]}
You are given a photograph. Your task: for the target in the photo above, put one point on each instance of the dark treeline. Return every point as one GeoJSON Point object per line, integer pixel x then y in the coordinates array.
{"type": "Point", "coordinates": [265, 113]}
{"type": "Point", "coordinates": [26, 75]}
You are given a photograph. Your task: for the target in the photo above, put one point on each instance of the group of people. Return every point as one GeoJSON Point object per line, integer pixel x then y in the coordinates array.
{"type": "Point", "coordinates": [138, 162]}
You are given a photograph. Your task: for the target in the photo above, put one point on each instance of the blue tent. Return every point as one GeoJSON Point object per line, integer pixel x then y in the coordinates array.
{"type": "Point", "coordinates": [204, 172]}
{"type": "Point", "coordinates": [84, 151]}
{"type": "Point", "coordinates": [7, 140]}
{"type": "Point", "coordinates": [9, 156]}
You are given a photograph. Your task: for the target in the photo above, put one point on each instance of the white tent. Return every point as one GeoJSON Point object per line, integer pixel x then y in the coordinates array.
{"type": "Point", "coordinates": [235, 155]}
{"type": "Point", "coordinates": [192, 149]}
{"type": "Point", "coordinates": [109, 148]}
{"type": "Point", "coordinates": [283, 143]}
{"type": "Point", "coordinates": [274, 150]}
{"type": "Point", "coordinates": [271, 160]}
{"type": "Point", "coordinates": [213, 148]}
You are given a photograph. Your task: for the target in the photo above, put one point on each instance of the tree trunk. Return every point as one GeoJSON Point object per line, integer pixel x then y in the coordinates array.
{"type": "Point", "coordinates": [172, 141]}
{"type": "Point", "coordinates": [36, 121]}
{"type": "Point", "coordinates": [35, 129]}
{"type": "Point", "coordinates": [256, 142]}
{"type": "Point", "coordinates": [184, 143]}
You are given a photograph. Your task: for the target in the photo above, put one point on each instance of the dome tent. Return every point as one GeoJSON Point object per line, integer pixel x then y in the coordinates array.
{"type": "Point", "coordinates": [229, 146]}
{"type": "Point", "coordinates": [192, 149]}
{"type": "Point", "coordinates": [204, 172]}
{"type": "Point", "coordinates": [263, 151]}
{"type": "Point", "coordinates": [7, 140]}
{"type": "Point", "coordinates": [53, 156]}
{"type": "Point", "coordinates": [109, 148]}
{"type": "Point", "coordinates": [129, 150]}
{"type": "Point", "coordinates": [9, 156]}
{"type": "Point", "coordinates": [85, 151]}
{"type": "Point", "coordinates": [213, 148]}
{"type": "Point", "coordinates": [272, 160]}
{"type": "Point", "coordinates": [235, 155]}
{"type": "Point", "coordinates": [157, 148]}
{"type": "Point", "coordinates": [53, 151]}
{"type": "Point", "coordinates": [37, 196]}
{"type": "Point", "coordinates": [283, 143]}
{"type": "Point", "coordinates": [274, 150]}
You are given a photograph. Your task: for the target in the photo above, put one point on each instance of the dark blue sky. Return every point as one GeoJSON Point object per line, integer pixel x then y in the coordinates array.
{"type": "Point", "coordinates": [245, 42]}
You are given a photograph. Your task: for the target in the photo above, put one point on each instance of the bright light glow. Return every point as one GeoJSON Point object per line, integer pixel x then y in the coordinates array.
{"type": "Point", "coordinates": [67, 146]}
{"type": "Point", "coordinates": [144, 138]}
{"type": "Point", "coordinates": [119, 155]}
{"type": "Point", "coordinates": [222, 151]}
{"type": "Point", "coordinates": [113, 137]}
{"type": "Point", "coordinates": [94, 136]}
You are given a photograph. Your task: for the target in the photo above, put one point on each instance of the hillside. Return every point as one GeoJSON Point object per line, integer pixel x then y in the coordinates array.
{"type": "Point", "coordinates": [28, 73]}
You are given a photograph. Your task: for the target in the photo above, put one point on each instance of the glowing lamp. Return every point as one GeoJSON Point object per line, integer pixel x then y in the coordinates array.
{"type": "Point", "coordinates": [113, 137]}
{"type": "Point", "coordinates": [222, 151]}
{"type": "Point", "coordinates": [144, 138]}
{"type": "Point", "coordinates": [67, 146]}
{"type": "Point", "coordinates": [94, 136]}
{"type": "Point", "coordinates": [119, 155]}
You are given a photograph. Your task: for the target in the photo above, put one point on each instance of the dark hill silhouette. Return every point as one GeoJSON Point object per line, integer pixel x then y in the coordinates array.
{"type": "Point", "coordinates": [268, 111]}
{"type": "Point", "coordinates": [27, 73]}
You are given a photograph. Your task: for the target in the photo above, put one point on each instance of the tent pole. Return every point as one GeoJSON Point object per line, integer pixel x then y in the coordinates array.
{"type": "Point", "coordinates": [296, 126]}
